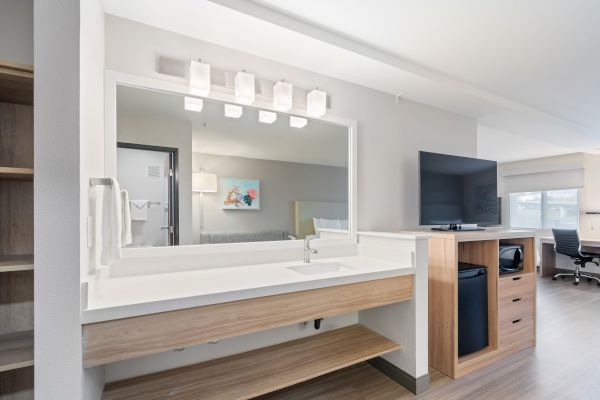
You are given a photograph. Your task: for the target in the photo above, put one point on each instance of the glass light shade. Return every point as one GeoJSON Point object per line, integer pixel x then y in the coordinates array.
{"type": "Point", "coordinates": [316, 103]}
{"type": "Point", "coordinates": [298, 122]}
{"type": "Point", "coordinates": [233, 111]}
{"type": "Point", "coordinates": [267, 117]}
{"type": "Point", "coordinates": [244, 88]}
{"type": "Point", "coordinates": [193, 104]}
{"type": "Point", "coordinates": [199, 78]}
{"type": "Point", "coordinates": [204, 182]}
{"type": "Point", "coordinates": [282, 96]}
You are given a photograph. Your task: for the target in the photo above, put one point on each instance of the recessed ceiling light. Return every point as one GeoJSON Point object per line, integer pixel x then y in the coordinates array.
{"type": "Point", "coordinates": [316, 103]}
{"type": "Point", "coordinates": [199, 78]}
{"type": "Point", "coordinates": [233, 111]}
{"type": "Point", "coordinates": [282, 96]}
{"type": "Point", "coordinates": [298, 122]}
{"type": "Point", "coordinates": [267, 117]}
{"type": "Point", "coordinates": [244, 88]}
{"type": "Point", "coordinates": [193, 104]}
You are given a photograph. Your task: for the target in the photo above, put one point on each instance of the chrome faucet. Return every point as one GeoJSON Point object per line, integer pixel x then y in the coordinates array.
{"type": "Point", "coordinates": [307, 250]}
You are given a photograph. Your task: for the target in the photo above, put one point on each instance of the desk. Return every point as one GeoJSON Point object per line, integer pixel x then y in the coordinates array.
{"type": "Point", "coordinates": [548, 261]}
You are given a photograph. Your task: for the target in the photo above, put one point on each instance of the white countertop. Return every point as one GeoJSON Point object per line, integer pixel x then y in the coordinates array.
{"type": "Point", "coordinates": [115, 298]}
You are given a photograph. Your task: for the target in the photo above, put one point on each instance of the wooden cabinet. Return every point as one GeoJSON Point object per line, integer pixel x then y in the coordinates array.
{"type": "Point", "coordinates": [511, 298]}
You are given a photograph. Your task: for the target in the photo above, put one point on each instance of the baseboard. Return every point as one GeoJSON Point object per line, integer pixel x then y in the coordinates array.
{"type": "Point", "coordinates": [415, 385]}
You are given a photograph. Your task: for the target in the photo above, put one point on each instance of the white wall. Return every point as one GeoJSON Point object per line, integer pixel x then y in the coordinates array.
{"type": "Point", "coordinates": [389, 134]}
{"type": "Point", "coordinates": [16, 31]}
{"type": "Point", "coordinates": [281, 183]}
{"type": "Point", "coordinates": [68, 149]}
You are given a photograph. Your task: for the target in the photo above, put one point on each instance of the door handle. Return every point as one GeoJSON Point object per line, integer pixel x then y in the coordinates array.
{"type": "Point", "coordinates": [517, 299]}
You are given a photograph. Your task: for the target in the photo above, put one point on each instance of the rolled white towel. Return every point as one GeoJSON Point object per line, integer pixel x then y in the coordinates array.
{"type": "Point", "coordinates": [112, 224]}
{"type": "Point", "coordinates": [126, 237]}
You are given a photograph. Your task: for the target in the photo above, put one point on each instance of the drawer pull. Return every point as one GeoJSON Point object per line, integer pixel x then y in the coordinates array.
{"type": "Point", "coordinates": [517, 299]}
{"type": "Point", "coordinates": [516, 321]}
{"type": "Point", "coordinates": [516, 278]}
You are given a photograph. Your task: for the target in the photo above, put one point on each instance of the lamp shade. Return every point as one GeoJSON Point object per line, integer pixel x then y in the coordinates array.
{"type": "Point", "coordinates": [297, 122]}
{"type": "Point", "coordinates": [316, 103]}
{"type": "Point", "coordinates": [204, 182]}
{"type": "Point", "coordinates": [282, 96]}
{"type": "Point", "coordinates": [193, 104]}
{"type": "Point", "coordinates": [199, 78]}
{"type": "Point", "coordinates": [245, 91]}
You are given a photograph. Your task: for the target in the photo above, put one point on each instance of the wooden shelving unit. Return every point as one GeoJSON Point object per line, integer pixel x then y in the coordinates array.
{"type": "Point", "coordinates": [16, 231]}
{"type": "Point", "coordinates": [16, 263]}
{"type": "Point", "coordinates": [16, 351]}
{"type": "Point", "coordinates": [16, 173]}
{"type": "Point", "coordinates": [260, 371]}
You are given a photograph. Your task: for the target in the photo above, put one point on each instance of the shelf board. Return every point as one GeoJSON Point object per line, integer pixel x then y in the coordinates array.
{"type": "Point", "coordinates": [16, 263]}
{"type": "Point", "coordinates": [16, 173]}
{"type": "Point", "coordinates": [248, 375]}
{"type": "Point", "coordinates": [16, 351]}
{"type": "Point", "coordinates": [16, 83]}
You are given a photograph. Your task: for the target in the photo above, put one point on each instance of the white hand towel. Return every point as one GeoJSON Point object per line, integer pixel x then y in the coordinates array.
{"type": "Point", "coordinates": [111, 223]}
{"type": "Point", "coordinates": [139, 210]}
{"type": "Point", "coordinates": [126, 237]}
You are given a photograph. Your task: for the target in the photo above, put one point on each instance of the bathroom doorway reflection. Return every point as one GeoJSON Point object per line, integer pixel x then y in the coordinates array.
{"type": "Point", "coordinates": [149, 174]}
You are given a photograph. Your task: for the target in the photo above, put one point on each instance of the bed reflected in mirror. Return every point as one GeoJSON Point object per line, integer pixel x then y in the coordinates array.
{"type": "Point", "coordinates": [199, 171]}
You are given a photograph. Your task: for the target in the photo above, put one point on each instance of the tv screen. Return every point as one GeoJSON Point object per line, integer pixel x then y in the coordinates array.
{"type": "Point", "coordinates": [457, 190]}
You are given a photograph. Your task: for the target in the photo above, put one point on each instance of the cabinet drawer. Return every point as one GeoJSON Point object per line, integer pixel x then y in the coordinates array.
{"type": "Point", "coordinates": [516, 309]}
{"type": "Point", "coordinates": [516, 330]}
{"type": "Point", "coordinates": [513, 286]}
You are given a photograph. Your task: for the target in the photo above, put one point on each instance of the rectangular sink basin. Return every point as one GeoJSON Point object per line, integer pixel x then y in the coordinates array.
{"type": "Point", "coordinates": [318, 268]}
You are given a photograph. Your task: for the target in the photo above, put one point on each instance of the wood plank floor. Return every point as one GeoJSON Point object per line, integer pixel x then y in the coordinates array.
{"type": "Point", "coordinates": [565, 364]}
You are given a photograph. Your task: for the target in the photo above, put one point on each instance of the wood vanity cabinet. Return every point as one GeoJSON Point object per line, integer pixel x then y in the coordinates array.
{"type": "Point", "coordinates": [245, 375]}
{"type": "Point", "coordinates": [511, 298]}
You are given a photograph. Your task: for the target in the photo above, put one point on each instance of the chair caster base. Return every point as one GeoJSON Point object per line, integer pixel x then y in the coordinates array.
{"type": "Point", "coordinates": [575, 283]}
{"type": "Point", "coordinates": [554, 278]}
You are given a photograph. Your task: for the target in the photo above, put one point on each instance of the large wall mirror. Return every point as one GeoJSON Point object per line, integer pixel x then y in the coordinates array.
{"type": "Point", "coordinates": [199, 171]}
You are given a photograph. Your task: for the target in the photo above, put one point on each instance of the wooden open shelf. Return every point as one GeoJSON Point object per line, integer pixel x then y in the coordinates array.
{"type": "Point", "coordinates": [25, 174]}
{"type": "Point", "coordinates": [16, 263]}
{"type": "Point", "coordinates": [16, 351]}
{"type": "Point", "coordinates": [247, 375]}
{"type": "Point", "coordinates": [16, 83]}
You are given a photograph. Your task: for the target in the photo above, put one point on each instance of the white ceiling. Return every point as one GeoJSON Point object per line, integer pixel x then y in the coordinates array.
{"type": "Point", "coordinates": [211, 133]}
{"type": "Point", "coordinates": [531, 68]}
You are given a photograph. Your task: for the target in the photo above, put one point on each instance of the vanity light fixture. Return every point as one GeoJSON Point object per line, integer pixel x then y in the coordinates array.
{"type": "Point", "coordinates": [199, 78]}
{"type": "Point", "coordinates": [233, 111]}
{"type": "Point", "coordinates": [282, 96]}
{"type": "Point", "coordinates": [244, 88]}
{"type": "Point", "coordinates": [267, 117]}
{"type": "Point", "coordinates": [297, 122]}
{"type": "Point", "coordinates": [193, 104]}
{"type": "Point", "coordinates": [316, 103]}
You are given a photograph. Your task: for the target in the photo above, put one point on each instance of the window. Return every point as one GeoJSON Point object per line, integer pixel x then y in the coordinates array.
{"type": "Point", "coordinates": [547, 209]}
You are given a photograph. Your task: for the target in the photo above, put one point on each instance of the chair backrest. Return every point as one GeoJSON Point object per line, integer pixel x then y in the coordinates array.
{"type": "Point", "coordinates": [566, 241]}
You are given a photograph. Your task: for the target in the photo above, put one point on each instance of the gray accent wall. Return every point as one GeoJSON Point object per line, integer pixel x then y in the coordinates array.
{"type": "Point", "coordinates": [281, 183]}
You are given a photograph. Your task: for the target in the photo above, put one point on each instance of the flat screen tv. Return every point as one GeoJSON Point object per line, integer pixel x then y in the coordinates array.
{"type": "Point", "coordinates": [457, 190]}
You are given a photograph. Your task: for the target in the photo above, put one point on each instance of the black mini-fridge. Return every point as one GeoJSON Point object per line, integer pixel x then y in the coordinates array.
{"type": "Point", "coordinates": [472, 308]}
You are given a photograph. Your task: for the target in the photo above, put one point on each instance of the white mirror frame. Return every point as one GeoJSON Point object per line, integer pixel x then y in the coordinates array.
{"type": "Point", "coordinates": [114, 78]}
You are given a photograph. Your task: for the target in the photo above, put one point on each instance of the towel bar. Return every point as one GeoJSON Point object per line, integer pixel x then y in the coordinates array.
{"type": "Point", "coordinates": [100, 182]}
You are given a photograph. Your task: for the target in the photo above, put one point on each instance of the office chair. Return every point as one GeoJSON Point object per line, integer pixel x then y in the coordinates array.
{"type": "Point", "coordinates": [566, 242]}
